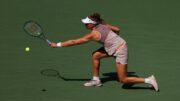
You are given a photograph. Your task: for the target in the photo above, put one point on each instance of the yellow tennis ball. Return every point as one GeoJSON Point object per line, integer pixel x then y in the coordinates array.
{"type": "Point", "coordinates": [27, 49]}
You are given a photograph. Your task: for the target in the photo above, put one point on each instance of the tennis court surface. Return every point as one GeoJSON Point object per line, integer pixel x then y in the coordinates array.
{"type": "Point", "coordinates": [150, 27]}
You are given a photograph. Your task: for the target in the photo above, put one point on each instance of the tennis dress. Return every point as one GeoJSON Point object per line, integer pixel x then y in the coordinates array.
{"type": "Point", "coordinates": [113, 44]}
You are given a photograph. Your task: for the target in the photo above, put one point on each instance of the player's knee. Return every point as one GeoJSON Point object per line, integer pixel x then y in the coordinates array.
{"type": "Point", "coordinates": [96, 55]}
{"type": "Point", "coordinates": [124, 80]}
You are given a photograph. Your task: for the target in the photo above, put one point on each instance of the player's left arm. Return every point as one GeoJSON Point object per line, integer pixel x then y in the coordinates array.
{"type": "Point", "coordinates": [114, 28]}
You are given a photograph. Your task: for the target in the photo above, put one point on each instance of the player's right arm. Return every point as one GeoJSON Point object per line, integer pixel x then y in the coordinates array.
{"type": "Point", "coordinates": [92, 36]}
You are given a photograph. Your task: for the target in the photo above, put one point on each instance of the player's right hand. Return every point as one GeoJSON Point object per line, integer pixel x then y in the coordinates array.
{"type": "Point", "coordinates": [53, 45]}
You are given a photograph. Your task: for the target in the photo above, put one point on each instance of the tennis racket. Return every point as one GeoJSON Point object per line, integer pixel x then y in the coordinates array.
{"type": "Point", "coordinates": [34, 29]}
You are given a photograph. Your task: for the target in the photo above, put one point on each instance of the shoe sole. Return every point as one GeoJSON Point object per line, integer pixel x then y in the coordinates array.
{"type": "Point", "coordinates": [99, 85]}
{"type": "Point", "coordinates": [155, 82]}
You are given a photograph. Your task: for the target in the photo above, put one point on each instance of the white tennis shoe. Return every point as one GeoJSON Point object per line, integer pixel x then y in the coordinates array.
{"type": "Point", "coordinates": [154, 83]}
{"type": "Point", "coordinates": [93, 83]}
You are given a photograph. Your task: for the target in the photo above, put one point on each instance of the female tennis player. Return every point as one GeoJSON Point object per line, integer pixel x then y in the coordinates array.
{"type": "Point", "coordinates": [113, 46]}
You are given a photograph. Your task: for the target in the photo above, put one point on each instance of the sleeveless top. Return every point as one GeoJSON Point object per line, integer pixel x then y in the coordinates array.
{"type": "Point", "coordinates": [110, 40]}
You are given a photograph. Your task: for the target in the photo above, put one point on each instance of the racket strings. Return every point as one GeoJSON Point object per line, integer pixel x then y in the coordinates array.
{"type": "Point", "coordinates": [33, 29]}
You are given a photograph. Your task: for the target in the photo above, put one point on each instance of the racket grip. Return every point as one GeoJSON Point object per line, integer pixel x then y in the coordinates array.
{"type": "Point", "coordinates": [49, 42]}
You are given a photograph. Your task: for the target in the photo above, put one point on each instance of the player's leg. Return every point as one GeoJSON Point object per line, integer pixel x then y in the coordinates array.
{"type": "Point", "coordinates": [121, 56]}
{"type": "Point", "coordinates": [96, 56]}
{"type": "Point", "coordinates": [123, 77]}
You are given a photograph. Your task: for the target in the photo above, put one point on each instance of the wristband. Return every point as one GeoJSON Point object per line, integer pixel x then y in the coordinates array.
{"type": "Point", "coordinates": [59, 44]}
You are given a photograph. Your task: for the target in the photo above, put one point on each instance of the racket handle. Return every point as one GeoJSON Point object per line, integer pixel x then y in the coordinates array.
{"type": "Point", "coordinates": [49, 42]}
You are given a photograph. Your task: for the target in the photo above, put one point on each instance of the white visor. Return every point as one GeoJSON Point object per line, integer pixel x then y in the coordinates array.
{"type": "Point", "coordinates": [88, 20]}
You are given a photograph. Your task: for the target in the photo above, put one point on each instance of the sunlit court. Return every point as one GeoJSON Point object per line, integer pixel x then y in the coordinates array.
{"type": "Point", "coordinates": [50, 50]}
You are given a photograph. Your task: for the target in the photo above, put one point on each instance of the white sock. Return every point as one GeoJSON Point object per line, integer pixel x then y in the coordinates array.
{"type": "Point", "coordinates": [96, 78]}
{"type": "Point", "coordinates": [147, 80]}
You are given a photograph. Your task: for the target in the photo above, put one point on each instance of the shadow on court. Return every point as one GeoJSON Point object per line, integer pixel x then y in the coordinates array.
{"type": "Point", "coordinates": [112, 76]}
{"type": "Point", "coordinates": [56, 73]}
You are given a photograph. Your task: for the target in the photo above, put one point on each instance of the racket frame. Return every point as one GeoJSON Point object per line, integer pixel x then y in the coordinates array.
{"type": "Point", "coordinates": [41, 36]}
